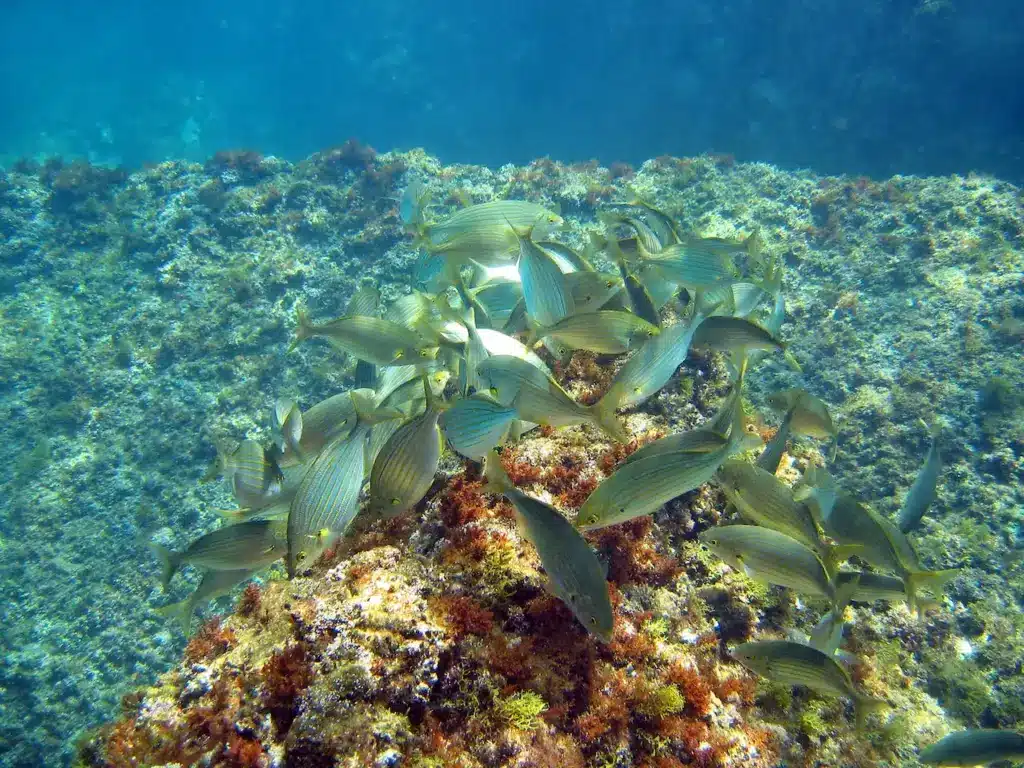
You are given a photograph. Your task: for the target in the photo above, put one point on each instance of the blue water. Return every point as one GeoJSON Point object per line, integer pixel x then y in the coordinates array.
{"type": "Point", "coordinates": [908, 86]}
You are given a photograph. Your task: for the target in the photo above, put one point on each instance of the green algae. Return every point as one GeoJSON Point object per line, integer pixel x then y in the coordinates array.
{"type": "Point", "coordinates": [521, 710]}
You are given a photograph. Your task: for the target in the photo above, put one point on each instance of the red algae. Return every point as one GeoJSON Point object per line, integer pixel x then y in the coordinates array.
{"type": "Point", "coordinates": [463, 615]}
{"type": "Point", "coordinates": [249, 602]}
{"type": "Point", "coordinates": [285, 676]}
{"type": "Point", "coordinates": [212, 640]}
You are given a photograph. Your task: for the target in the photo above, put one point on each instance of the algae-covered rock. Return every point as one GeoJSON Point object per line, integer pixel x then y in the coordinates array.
{"type": "Point", "coordinates": [147, 318]}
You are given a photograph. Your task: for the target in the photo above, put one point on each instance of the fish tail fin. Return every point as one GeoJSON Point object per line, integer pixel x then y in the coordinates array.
{"type": "Point", "coordinates": [303, 327]}
{"type": "Point", "coordinates": [180, 612]}
{"type": "Point", "coordinates": [931, 580]}
{"type": "Point", "coordinates": [604, 417]}
{"type": "Point", "coordinates": [864, 706]}
{"type": "Point", "coordinates": [753, 243]}
{"type": "Point", "coordinates": [169, 562]}
{"type": "Point", "coordinates": [497, 479]}
{"type": "Point", "coordinates": [844, 595]}
{"type": "Point", "coordinates": [791, 361]}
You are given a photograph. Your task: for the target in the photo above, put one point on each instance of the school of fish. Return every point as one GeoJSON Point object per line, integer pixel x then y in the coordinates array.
{"type": "Point", "coordinates": [454, 363]}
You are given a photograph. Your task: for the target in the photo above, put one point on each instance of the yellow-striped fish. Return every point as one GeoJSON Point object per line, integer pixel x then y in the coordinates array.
{"type": "Point", "coordinates": [252, 545]}
{"type": "Point", "coordinates": [376, 340]}
{"type": "Point", "coordinates": [327, 500]}
{"type": "Point", "coordinates": [575, 574]}
{"type": "Point", "coordinates": [606, 331]}
{"type": "Point", "coordinates": [789, 663]}
{"type": "Point", "coordinates": [404, 469]}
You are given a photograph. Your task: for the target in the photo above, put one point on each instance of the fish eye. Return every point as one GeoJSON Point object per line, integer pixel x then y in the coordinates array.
{"type": "Point", "coordinates": [609, 284]}
{"type": "Point", "coordinates": [423, 353]}
{"type": "Point", "coordinates": [301, 556]}
{"type": "Point", "coordinates": [400, 354]}
{"type": "Point", "coordinates": [494, 390]}
{"type": "Point", "coordinates": [395, 502]}
{"type": "Point", "coordinates": [593, 621]}
{"type": "Point", "coordinates": [572, 598]}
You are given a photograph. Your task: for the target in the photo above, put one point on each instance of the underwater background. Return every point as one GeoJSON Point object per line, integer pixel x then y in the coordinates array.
{"type": "Point", "coordinates": [176, 180]}
{"type": "Point", "coordinates": [876, 88]}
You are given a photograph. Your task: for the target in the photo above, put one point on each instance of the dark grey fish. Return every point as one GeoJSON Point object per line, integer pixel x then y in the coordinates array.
{"type": "Point", "coordinates": [922, 492]}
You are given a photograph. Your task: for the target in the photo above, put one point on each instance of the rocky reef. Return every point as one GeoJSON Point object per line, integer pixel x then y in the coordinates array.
{"type": "Point", "coordinates": [147, 317]}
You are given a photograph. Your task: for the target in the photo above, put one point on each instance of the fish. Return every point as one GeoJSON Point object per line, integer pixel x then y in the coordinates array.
{"type": "Point", "coordinates": [664, 226]}
{"type": "Point", "coordinates": [693, 268]}
{"type": "Point", "coordinates": [882, 544]}
{"type": "Point", "coordinates": [492, 245]}
{"type": "Point", "coordinates": [253, 474]}
{"type": "Point", "coordinates": [640, 487]}
{"type": "Point", "coordinates": [253, 544]}
{"type": "Point", "coordinates": [736, 298]}
{"type": "Point", "coordinates": [607, 331]}
{"type": "Point", "coordinates": [975, 746]}
{"type": "Point", "coordinates": [475, 425]}
{"type": "Point", "coordinates": [568, 260]}
{"type": "Point", "coordinates": [574, 573]}
{"type": "Point", "coordinates": [765, 500]}
{"type": "Point", "coordinates": [213, 584]}
{"type": "Point", "coordinates": [735, 335]}
{"type": "Point", "coordinates": [651, 365]}
{"type": "Point", "coordinates": [336, 417]}
{"type": "Point", "coordinates": [922, 493]}
{"type": "Point", "coordinates": [771, 456]}
{"type": "Point", "coordinates": [646, 235]}
{"type": "Point", "coordinates": [412, 204]}
{"type": "Point", "coordinates": [404, 470]}
{"type": "Point", "coordinates": [873, 586]}
{"type": "Point", "coordinates": [538, 398]}
{"type": "Point", "coordinates": [286, 423]}
{"type": "Point", "coordinates": [818, 489]}
{"type": "Point", "coordinates": [751, 245]}
{"type": "Point", "coordinates": [364, 301]}
{"type": "Point", "coordinates": [810, 415]}
{"type": "Point", "coordinates": [694, 440]}
{"type": "Point", "coordinates": [592, 290]}
{"type": "Point", "coordinates": [789, 663]}
{"type": "Point", "coordinates": [411, 391]}
{"type": "Point", "coordinates": [641, 303]}
{"type": "Point", "coordinates": [376, 340]}
{"type": "Point", "coordinates": [414, 311]}
{"type": "Point", "coordinates": [547, 297]}
{"type": "Point", "coordinates": [499, 298]}
{"type": "Point", "coordinates": [327, 499]}
{"type": "Point", "coordinates": [765, 555]}
{"type": "Point", "coordinates": [496, 214]}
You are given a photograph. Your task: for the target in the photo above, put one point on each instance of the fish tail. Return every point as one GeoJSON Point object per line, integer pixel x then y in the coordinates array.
{"type": "Point", "coordinates": [753, 244]}
{"type": "Point", "coordinates": [181, 612]}
{"type": "Point", "coordinates": [303, 328]}
{"type": "Point", "coordinates": [497, 479]}
{"type": "Point", "coordinates": [604, 417]}
{"type": "Point", "coordinates": [169, 562]}
{"type": "Point", "coordinates": [864, 706]}
{"type": "Point", "coordinates": [931, 580]}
